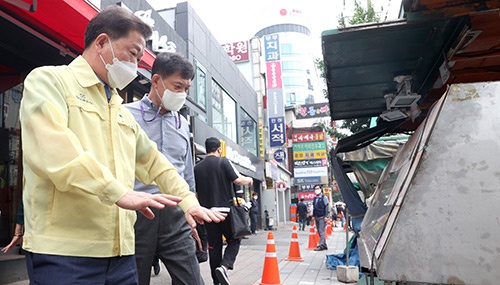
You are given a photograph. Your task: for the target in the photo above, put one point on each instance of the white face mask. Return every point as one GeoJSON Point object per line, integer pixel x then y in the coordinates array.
{"type": "Point", "coordinates": [120, 73]}
{"type": "Point", "coordinates": [255, 197]}
{"type": "Point", "coordinates": [317, 192]}
{"type": "Point", "coordinates": [172, 101]}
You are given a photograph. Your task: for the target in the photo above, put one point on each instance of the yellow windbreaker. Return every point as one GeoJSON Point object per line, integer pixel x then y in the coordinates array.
{"type": "Point", "coordinates": [81, 154]}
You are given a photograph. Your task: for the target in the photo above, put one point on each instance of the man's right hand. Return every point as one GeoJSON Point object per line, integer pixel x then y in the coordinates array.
{"type": "Point", "coordinates": [250, 181]}
{"type": "Point", "coordinates": [141, 202]}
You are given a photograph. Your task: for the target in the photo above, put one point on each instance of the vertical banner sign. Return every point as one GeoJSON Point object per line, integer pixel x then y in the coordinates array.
{"type": "Point", "coordinates": [247, 136]}
{"type": "Point", "coordinates": [273, 75]}
{"type": "Point", "coordinates": [277, 131]}
{"type": "Point", "coordinates": [275, 100]}
{"type": "Point", "coordinates": [275, 104]}
{"type": "Point", "coordinates": [272, 47]}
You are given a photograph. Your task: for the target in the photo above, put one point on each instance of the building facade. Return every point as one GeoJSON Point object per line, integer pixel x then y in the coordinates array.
{"type": "Point", "coordinates": [221, 102]}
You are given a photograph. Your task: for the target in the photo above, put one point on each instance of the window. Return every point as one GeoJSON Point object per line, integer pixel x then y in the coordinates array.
{"type": "Point", "coordinates": [290, 66]}
{"type": "Point", "coordinates": [223, 112]}
{"type": "Point", "coordinates": [294, 82]}
{"type": "Point", "coordinates": [201, 91]}
{"type": "Point", "coordinates": [248, 128]}
{"type": "Point", "coordinates": [292, 50]}
{"type": "Point", "coordinates": [291, 99]}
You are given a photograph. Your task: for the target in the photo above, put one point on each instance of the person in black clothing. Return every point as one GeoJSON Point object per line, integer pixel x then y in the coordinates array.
{"type": "Point", "coordinates": [214, 176]}
{"type": "Point", "coordinates": [254, 213]}
{"type": "Point", "coordinates": [302, 214]}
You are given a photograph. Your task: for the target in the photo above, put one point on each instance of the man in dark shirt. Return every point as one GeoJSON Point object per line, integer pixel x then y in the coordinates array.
{"type": "Point", "coordinates": [302, 213]}
{"type": "Point", "coordinates": [214, 176]}
{"type": "Point", "coordinates": [254, 213]}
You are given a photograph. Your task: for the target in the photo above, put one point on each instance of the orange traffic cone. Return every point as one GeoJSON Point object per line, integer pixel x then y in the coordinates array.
{"type": "Point", "coordinates": [313, 242]}
{"type": "Point", "coordinates": [329, 229]}
{"type": "Point", "coordinates": [294, 252]}
{"type": "Point", "coordinates": [270, 274]}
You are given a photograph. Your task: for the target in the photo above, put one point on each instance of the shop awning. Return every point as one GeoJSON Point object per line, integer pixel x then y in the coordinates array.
{"type": "Point", "coordinates": [36, 33]}
{"type": "Point", "coordinates": [362, 61]}
{"type": "Point", "coordinates": [63, 21]}
{"type": "Point", "coordinates": [438, 43]}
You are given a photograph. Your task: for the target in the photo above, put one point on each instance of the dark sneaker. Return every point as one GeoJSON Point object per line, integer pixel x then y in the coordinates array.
{"type": "Point", "coordinates": [320, 248]}
{"type": "Point", "coordinates": [221, 274]}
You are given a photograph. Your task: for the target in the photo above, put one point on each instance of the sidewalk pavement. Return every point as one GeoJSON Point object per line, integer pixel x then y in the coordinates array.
{"type": "Point", "coordinates": [250, 260]}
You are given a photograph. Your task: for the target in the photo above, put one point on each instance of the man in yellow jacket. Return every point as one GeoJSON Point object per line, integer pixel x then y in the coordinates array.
{"type": "Point", "coordinates": [82, 151]}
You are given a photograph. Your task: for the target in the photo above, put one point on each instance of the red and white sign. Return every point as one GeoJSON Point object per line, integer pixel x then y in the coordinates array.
{"type": "Point", "coordinates": [306, 195]}
{"type": "Point", "coordinates": [308, 137]}
{"type": "Point", "coordinates": [281, 186]}
{"type": "Point", "coordinates": [273, 74]}
{"type": "Point", "coordinates": [238, 51]}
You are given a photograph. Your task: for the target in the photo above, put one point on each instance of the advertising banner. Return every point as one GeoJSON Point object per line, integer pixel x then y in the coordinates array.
{"type": "Point", "coordinates": [273, 75]}
{"type": "Point", "coordinates": [272, 47]}
{"type": "Point", "coordinates": [306, 188]}
{"type": "Point", "coordinates": [310, 163]}
{"type": "Point", "coordinates": [306, 195]}
{"type": "Point", "coordinates": [312, 154]}
{"type": "Point", "coordinates": [277, 131]}
{"type": "Point", "coordinates": [308, 137]}
{"type": "Point", "coordinates": [307, 111]}
{"type": "Point", "coordinates": [279, 155]}
{"type": "Point", "coordinates": [248, 138]}
{"type": "Point", "coordinates": [237, 51]}
{"type": "Point", "coordinates": [307, 180]}
{"type": "Point", "coordinates": [310, 172]}
{"type": "Point", "coordinates": [309, 146]}
{"type": "Point", "coordinates": [275, 104]}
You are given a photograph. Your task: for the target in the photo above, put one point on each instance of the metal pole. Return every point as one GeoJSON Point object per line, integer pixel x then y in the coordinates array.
{"type": "Point", "coordinates": [347, 238]}
{"type": "Point", "coordinates": [284, 207]}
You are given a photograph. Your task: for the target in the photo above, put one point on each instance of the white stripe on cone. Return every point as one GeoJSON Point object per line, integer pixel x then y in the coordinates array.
{"type": "Point", "coordinates": [271, 254]}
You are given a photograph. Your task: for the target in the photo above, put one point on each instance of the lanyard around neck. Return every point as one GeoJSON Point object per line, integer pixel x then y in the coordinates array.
{"type": "Point", "coordinates": [144, 116]}
{"type": "Point", "coordinates": [177, 116]}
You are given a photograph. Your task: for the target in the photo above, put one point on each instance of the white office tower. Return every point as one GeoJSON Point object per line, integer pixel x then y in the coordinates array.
{"type": "Point", "coordinates": [288, 49]}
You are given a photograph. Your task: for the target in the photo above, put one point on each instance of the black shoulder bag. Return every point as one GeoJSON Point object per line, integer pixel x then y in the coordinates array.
{"type": "Point", "coordinates": [237, 214]}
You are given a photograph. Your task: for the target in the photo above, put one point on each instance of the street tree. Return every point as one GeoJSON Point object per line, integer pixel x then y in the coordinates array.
{"type": "Point", "coordinates": [361, 16]}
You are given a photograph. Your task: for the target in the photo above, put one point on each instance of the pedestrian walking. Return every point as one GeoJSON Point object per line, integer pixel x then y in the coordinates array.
{"type": "Point", "coordinates": [254, 213]}
{"type": "Point", "coordinates": [168, 237]}
{"type": "Point", "coordinates": [320, 210]}
{"type": "Point", "coordinates": [302, 214]}
{"type": "Point", "coordinates": [81, 153]}
{"type": "Point", "coordinates": [214, 176]}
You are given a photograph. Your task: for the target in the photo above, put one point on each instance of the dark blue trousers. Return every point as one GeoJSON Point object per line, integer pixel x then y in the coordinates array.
{"type": "Point", "coordinates": [253, 222]}
{"type": "Point", "coordinates": [46, 269]}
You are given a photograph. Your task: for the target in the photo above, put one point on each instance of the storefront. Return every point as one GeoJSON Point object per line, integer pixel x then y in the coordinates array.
{"type": "Point", "coordinates": [51, 33]}
{"type": "Point", "coordinates": [33, 35]}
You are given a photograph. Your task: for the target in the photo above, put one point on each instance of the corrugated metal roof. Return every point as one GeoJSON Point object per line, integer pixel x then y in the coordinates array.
{"type": "Point", "coordinates": [362, 61]}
